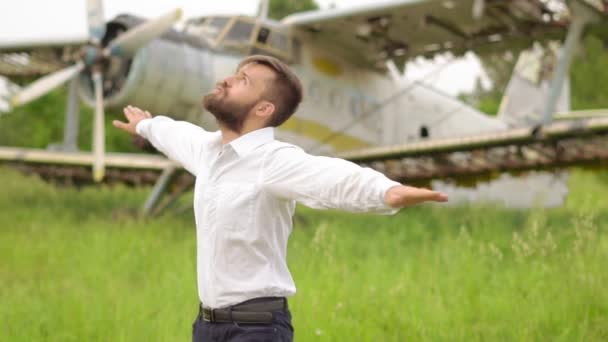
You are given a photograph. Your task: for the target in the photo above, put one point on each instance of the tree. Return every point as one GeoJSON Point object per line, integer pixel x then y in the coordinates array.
{"type": "Point", "coordinates": [278, 9]}
{"type": "Point", "coordinates": [589, 74]}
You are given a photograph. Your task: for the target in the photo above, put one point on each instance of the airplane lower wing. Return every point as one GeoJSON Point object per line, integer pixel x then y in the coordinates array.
{"type": "Point", "coordinates": [401, 29]}
{"type": "Point", "coordinates": [467, 160]}
{"type": "Point", "coordinates": [561, 143]}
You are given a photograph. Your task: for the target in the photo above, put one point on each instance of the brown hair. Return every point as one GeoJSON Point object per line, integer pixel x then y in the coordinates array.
{"type": "Point", "coordinates": [285, 92]}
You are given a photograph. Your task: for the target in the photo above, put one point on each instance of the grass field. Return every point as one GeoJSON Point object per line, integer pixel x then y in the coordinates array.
{"type": "Point", "coordinates": [75, 266]}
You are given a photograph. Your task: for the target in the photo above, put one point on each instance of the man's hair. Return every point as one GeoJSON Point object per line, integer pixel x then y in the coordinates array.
{"type": "Point", "coordinates": [285, 92]}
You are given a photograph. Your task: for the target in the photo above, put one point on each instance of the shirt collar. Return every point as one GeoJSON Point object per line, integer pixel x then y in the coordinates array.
{"type": "Point", "coordinates": [250, 141]}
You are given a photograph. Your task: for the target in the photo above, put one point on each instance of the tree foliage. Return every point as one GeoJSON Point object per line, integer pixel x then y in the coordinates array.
{"type": "Point", "coordinates": [589, 75]}
{"type": "Point", "coordinates": [278, 9]}
{"type": "Point", "coordinates": [41, 122]}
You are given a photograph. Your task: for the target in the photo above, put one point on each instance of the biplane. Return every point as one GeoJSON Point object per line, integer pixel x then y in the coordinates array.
{"type": "Point", "coordinates": [356, 106]}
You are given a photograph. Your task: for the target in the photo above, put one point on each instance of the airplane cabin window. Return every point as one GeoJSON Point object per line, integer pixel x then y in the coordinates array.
{"type": "Point", "coordinates": [335, 98]}
{"type": "Point", "coordinates": [296, 50]}
{"type": "Point", "coordinates": [355, 107]}
{"type": "Point", "coordinates": [314, 92]}
{"type": "Point", "coordinates": [424, 132]}
{"type": "Point", "coordinates": [240, 32]}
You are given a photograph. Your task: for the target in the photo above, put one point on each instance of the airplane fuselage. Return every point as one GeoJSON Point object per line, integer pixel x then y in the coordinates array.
{"type": "Point", "coordinates": [345, 107]}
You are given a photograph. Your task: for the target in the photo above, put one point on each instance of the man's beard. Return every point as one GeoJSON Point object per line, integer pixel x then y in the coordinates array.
{"type": "Point", "coordinates": [229, 115]}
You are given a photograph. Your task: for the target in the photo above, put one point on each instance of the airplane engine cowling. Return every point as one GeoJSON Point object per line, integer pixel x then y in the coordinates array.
{"type": "Point", "coordinates": [169, 76]}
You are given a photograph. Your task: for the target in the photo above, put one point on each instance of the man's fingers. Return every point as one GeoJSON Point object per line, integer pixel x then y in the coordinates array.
{"type": "Point", "coordinates": [120, 124]}
{"type": "Point", "coordinates": [134, 113]}
{"type": "Point", "coordinates": [137, 111]}
{"type": "Point", "coordinates": [441, 197]}
{"type": "Point", "coordinates": [128, 113]}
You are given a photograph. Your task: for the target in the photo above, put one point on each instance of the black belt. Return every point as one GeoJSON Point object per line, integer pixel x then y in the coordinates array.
{"type": "Point", "coordinates": [257, 310]}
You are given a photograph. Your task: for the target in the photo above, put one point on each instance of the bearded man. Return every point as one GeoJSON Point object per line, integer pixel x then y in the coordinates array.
{"type": "Point", "coordinates": [247, 186]}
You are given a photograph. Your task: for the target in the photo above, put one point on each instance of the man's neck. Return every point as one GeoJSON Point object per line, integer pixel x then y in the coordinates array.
{"type": "Point", "coordinates": [229, 135]}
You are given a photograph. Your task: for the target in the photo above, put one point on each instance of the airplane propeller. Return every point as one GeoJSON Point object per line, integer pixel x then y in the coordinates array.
{"type": "Point", "coordinates": [92, 57]}
{"type": "Point", "coordinates": [128, 43]}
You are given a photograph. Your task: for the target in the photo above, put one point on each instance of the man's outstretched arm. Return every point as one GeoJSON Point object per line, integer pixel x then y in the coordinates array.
{"type": "Point", "coordinates": [400, 196]}
{"type": "Point", "coordinates": [323, 182]}
{"type": "Point", "coordinates": [179, 140]}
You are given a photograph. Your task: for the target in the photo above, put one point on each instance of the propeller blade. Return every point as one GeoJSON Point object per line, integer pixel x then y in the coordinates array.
{"type": "Point", "coordinates": [96, 21]}
{"type": "Point", "coordinates": [128, 43]}
{"type": "Point", "coordinates": [98, 133]}
{"type": "Point", "coordinates": [46, 84]}
{"type": "Point", "coordinates": [7, 91]}
{"type": "Point", "coordinates": [70, 128]}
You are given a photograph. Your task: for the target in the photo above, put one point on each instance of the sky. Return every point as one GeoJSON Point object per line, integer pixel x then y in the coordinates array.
{"type": "Point", "coordinates": [65, 20]}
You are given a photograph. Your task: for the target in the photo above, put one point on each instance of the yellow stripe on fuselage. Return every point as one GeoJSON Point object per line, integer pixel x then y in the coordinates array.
{"type": "Point", "coordinates": [319, 132]}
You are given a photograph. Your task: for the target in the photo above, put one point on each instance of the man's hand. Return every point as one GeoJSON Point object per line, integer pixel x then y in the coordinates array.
{"type": "Point", "coordinates": [401, 196]}
{"type": "Point", "coordinates": [134, 115]}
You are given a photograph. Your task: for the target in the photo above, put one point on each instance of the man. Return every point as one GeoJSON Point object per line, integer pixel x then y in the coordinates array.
{"type": "Point", "coordinates": [247, 185]}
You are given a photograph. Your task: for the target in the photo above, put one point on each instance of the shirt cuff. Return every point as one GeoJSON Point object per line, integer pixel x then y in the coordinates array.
{"type": "Point", "coordinates": [384, 185]}
{"type": "Point", "coordinates": [142, 127]}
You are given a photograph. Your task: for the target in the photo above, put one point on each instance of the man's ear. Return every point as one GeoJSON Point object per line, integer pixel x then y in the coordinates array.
{"type": "Point", "coordinates": [264, 109]}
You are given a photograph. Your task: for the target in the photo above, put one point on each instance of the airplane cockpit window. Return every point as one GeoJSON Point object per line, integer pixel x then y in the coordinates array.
{"type": "Point", "coordinates": [263, 35]}
{"type": "Point", "coordinates": [245, 35]}
{"type": "Point", "coordinates": [278, 41]}
{"type": "Point", "coordinates": [273, 39]}
{"type": "Point", "coordinates": [240, 32]}
{"type": "Point", "coordinates": [273, 42]}
{"type": "Point", "coordinates": [207, 28]}
{"type": "Point", "coordinates": [214, 27]}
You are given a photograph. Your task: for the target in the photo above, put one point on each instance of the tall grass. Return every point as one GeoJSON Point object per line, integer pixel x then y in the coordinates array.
{"type": "Point", "coordinates": [75, 265]}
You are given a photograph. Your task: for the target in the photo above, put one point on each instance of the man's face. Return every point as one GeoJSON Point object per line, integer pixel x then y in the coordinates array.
{"type": "Point", "coordinates": [233, 99]}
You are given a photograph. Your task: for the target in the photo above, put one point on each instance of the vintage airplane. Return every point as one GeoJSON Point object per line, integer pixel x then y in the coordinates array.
{"type": "Point", "coordinates": [356, 105]}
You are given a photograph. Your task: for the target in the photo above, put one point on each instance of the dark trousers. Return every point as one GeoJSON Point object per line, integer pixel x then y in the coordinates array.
{"type": "Point", "coordinates": [280, 330]}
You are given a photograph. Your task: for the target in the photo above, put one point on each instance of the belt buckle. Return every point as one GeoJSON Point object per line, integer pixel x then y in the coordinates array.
{"type": "Point", "coordinates": [208, 315]}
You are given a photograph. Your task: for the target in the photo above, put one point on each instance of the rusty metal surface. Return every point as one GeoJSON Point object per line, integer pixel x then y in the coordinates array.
{"type": "Point", "coordinates": [484, 162]}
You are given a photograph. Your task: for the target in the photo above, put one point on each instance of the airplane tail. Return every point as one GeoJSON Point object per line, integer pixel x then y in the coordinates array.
{"type": "Point", "coordinates": [522, 106]}
{"type": "Point", "coordinates": [526, 94]}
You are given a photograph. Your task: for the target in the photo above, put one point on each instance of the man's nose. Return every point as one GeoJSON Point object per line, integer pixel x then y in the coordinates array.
{"type": "Point", "coordinates": [228, 81]}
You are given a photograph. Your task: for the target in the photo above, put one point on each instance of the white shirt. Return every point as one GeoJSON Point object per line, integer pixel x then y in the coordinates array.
{"type": "Point", "coordinates": [244, 200]}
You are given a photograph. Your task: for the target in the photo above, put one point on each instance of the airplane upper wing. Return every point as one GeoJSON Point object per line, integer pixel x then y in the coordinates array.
{"type": "Point", "coordinates": [402, 29]}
